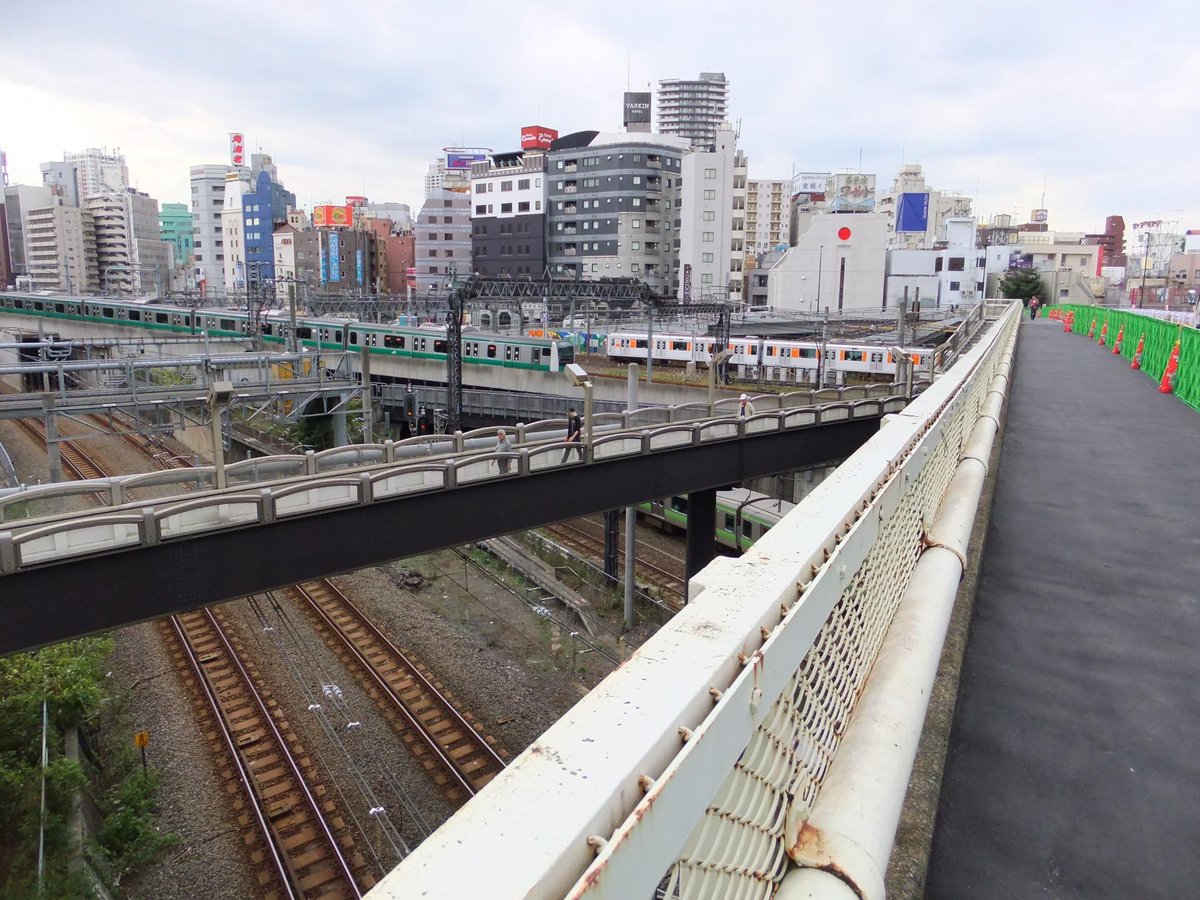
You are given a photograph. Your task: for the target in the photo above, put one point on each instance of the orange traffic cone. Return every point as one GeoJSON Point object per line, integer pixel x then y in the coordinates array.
{"type": "Point", "coordinates": [1117, 342]}
{"type": "Point", "coordinates": [1137, 354]}
{"type": "Point", "coordinates": [1103, 334]}
{"type": "Point", "coordinates": [1068, 321]}
{"type": "Point", "coordinates": [1092, 330]}
{"type": "Point", "coordinates": [1167, 385]}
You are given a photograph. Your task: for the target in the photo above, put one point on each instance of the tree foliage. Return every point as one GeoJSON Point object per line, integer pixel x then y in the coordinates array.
{"type": "Point", "coordinates": [1022, 284]}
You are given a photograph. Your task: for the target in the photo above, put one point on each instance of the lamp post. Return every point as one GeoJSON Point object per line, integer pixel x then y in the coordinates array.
{"type": "Point", "coordinates": [1145, 266]}
{"type": "Point", "coordinates": [578, 377]}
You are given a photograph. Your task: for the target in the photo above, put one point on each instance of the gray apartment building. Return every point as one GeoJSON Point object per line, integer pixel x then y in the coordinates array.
{"type": "Point", "coordinates": [508, 214]}
{"type": "Point", "coordinates": [613, 207]}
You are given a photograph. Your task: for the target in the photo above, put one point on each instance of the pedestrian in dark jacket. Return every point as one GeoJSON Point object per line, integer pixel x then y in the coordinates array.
{"type": "Point", "coordinates": [574, 434]}
{"type": "Point", "coordinates": [1034, 305]}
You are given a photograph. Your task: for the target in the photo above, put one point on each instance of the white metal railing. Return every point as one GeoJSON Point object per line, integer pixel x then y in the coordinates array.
{"type": "Point", "coordinates": [351, 480]}
{"type": "Point", "coordinates": [731, 755]}
{"type": "Point", "coordinates": [119, 490]}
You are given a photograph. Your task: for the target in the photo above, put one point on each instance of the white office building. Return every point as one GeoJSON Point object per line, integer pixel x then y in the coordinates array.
{"type": "Point", "coordinates": [838, 264]}
{"type": "Point", "coordinates": [208, 200]}
{"type": "Point", "coordinates": [928, 207]}
{"type": "Point", "coordinates": [233, 231]}
{"type": "Point", "coordinates": [711, 231]}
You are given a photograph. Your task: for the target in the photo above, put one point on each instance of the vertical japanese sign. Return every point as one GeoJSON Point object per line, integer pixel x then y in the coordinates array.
{"type": "Point", "coordinates": [358, 265]}
{"type": "Point", "coordinates": [335, 256]}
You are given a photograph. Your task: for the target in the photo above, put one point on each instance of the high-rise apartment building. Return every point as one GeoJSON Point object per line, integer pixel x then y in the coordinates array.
{"type": "Point", "coordinates": [208, 199]}
{"type": "Point", "coordinates": [508, 215]}
{"type": "Point", "coordinates": [98, 171]}
{"type": "Point", "coordinates": [60, 249]}
{"type": "Point", "coordinates": [1111, 242]}
{"type": "Point", "coordinates": [768, 222]}
{"type": "Point", "coordinates": [611, 207]}
{"type": "Point", "coordinates": [130, 255]}
{"type": "Point", "coordinates": [711, 226]}
{"type": "Point", "coordinates": [693, 109]}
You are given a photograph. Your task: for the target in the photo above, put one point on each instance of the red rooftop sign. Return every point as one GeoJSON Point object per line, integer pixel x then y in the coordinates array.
{"type": "Point", "coordinates": [537, 137]}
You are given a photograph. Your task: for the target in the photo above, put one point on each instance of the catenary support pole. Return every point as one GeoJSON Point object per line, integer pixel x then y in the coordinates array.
{"type": "Point", "coordinates": [701, 528]}
{"type": "Point", "coordinates": [630, 511]}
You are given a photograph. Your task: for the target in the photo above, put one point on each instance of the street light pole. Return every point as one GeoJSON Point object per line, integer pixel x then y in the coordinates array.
{"type": "Point", "coordinates": [1145, 266]}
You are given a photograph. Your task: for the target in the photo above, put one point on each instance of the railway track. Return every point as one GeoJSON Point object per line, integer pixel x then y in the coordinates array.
{"type": "Point", "coordinates": [447, 744]}
{"type": "Point", "coordinates": [671, 584]}
{"type": "Point", "coordinates": [301, 847]}
{"type": "Point", "coordinates": [78, 463]}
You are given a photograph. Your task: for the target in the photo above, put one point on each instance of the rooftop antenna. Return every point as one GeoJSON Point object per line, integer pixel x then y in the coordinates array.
{"type": "Point", "coordinates": [860, 159]}
{"type": "Point", "coordinates": [1043, 203]}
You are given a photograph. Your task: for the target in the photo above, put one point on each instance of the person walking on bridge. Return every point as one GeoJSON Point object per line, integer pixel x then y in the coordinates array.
{"type": "Point", "coordinates": [574, 434]}
{"type": "Point", "coordinates": [745, 407]}
{"type": "Point", "coordinates": [1034, 305]}
{"type": "Point", "coordinates": [503, 445]}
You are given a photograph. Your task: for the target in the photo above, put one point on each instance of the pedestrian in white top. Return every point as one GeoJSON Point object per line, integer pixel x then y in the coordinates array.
{"type": "Point", "coordinates": [503, 445]}
{"type": "Point", "coordinates": [745, 407]}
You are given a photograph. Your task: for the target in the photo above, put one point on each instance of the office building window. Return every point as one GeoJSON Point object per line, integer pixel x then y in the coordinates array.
{"type": "Point", "coordinates": [522, 184]}
{"type": "Point", "coordinates": [708, 237]}
{"type": "Point", "coordinates": [523, 206]}
{"type": "Point", "coordinates": [709, 195]}
{"type": "Point", "coordinates": [637, 223]}
{"type": "Point", "coordinates": [506, 185]}
{"type": "Point", "coordinates": [505, 207]}
{"type": "Point", "coordinates": [710, 173]}
{"type": "Point", "coordinates": [706, 257]}
{"type": "Point", "coordinates": [709, 216]}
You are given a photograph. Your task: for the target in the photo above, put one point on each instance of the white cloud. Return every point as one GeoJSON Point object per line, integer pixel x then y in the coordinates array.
{"type": "Point", "coordinates": [1097, 99]}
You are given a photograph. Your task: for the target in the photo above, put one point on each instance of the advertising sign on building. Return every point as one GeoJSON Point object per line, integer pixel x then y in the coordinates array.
{"type": "Point", "coordinates": [687, 281]}
{"type": "Point", "coordinates": [637, 108]}
{"type": "Point", "coordinates": [812, 183]}
{"type": "Point", "coordinates": [912, 213]}
{"type": "Point", "coordinates": [851, 193]}
{"type": "Point", "coordinates": [237, 149]}
{"type": "Point", "coordinates": [462, 158]}
{"type": "Point", "coordinates": [537, 137]}
{"type": "Point", "coordinates": [358, 265]}
{"type": "Point", "coordinates": [330, 216]}
{"type": "Point", "coordinates": [1039, 216]}
{"type": "Point", "coordinates": [335, 256]}
{"type": "Point", "coordinates": [356, 201]}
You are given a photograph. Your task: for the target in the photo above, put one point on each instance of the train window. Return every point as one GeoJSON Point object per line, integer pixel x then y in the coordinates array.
{"type": "Point", "coordinates": [853, 355]}
{"type": "Point", "coordinates": [161, 318]}
{"type": "Point", "coordinates": [545, 351]}
{"type": "Point", "coordinates": [770, 350]}
{"type": "Point", "coordinates": [267, 328]}
{"type": "Point", "coordinates": [440, 345]}
{"type": "Point", "coordinates": [59, 307]}
{"type": "Point", "coordinates": [730, 522]}
{"type": "Point", "coordinates": [227, 325]}
{"type": "Point", "coordinates": [679, 504]}
{"type": "Point", "coordinates": [354, 337]}
{"type": "Point", "coordinates": [391, 340]}
{"type": "Point", "coordinates": [679, 345]}
{"type": "Point", "coordinates": [491, 351]}
{"type": "Point", "coordinates": [640, 344]}
{"type": "Point", "coordinates": [747, 528]}
{"type": "Point", "coordinates": [133, 315]}
{"type": "Point", "coordinates": [37, 304]}
{"type": "Point", "coordinates": [18, 304]}
{"type": "Point", "coordinates": [304, 333]}
{"type": "Point", "coordinates": [108, 313]}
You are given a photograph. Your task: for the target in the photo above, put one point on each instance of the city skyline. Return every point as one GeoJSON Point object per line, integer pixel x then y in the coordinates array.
{"type": "Point", "coordinates": [343, 112]}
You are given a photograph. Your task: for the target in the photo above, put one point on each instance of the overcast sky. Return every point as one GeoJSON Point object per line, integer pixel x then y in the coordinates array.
{"type": "Point", "coordinates": [1100, 99]}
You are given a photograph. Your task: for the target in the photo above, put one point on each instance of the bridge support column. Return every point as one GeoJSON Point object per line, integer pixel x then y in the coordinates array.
{"type": "Point", "coordinates": [612, 532]}
{"type": "Point", "coordinates": [340, 438]}
{"type": "Point", "coordinates": [701, 528]}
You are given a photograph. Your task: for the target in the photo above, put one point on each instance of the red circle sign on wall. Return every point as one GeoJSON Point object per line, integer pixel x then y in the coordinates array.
{"type": "Point", "coordinates": [843, 233]}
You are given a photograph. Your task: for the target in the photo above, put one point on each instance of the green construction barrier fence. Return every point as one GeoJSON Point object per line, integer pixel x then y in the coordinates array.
{"type": "Point", "coordinates": [1160, 338]}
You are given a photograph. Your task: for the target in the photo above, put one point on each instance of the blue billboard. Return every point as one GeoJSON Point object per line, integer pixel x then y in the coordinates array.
{"type": "Point", "coordinates": [335, 257]}
{"type": "Point", "coordinates": [358, 265]}
{"type": "Point", "coordinates": [912, 213]}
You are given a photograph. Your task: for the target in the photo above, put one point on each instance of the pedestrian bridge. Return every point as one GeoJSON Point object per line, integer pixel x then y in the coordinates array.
{"type": "Point", "coordinates": [760, 743]}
